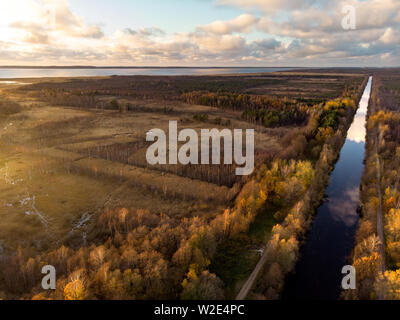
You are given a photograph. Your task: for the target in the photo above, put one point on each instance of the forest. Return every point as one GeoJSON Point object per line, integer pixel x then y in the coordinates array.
{"type": "Point", "coordinates": [166, 232]}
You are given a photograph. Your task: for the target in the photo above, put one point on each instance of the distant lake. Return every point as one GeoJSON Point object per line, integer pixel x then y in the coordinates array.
{"type": "Point", "coordinates": [9, 73]}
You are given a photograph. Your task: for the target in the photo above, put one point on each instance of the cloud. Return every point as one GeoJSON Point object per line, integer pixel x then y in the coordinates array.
{"type": "Point", "coordinates": [315, 31]}
{"type": "Point", "coordinates": [314, 21]}
{"type": "Point", "coordinates": [243, 24]}
{"type": "Point", "coordinates": [218, 44]}
{"type": "Point", "coordinates": [35, 33]}
{"type": "Point", "coordinates": [49, 19]}
{"type": "Point", "coordinates": [391, 36]}
{"type": "Point", "coordinates": [265, 32]}
{"type": "Point", "coordinates": [146, 32]}
{"type": "Point", "coordinates": [58, 12]}
{"type": "Point", "coordinates": [344, 209]}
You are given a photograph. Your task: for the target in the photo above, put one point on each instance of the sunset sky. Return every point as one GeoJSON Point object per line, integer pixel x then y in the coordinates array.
{"type": "Point", "coordinates": [198, 33]}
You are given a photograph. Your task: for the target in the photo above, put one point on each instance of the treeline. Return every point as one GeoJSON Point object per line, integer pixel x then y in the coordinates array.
{"type": "Point", "coordinates": [272, 111]}
{"type": "Point", "coordinates": [383, 142]}
{"type": "Point", "coordinates": [275, 118]}
{"type": "Point", "coordinates": [171, 87]}
{"type": "Point", "coordinates": [132, 153]}
{"type": "Point", "coordinates": [92, 99]}
{"type": "Point", "coordinates": [259, 109]}
{"type": "Point", "coordinates": [74, 98]}
{"type": "Point", "coordinates": [235, 101]}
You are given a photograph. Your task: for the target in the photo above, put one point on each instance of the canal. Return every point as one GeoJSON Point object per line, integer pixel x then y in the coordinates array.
{"type": "Point", "coordinates": [331, 238]}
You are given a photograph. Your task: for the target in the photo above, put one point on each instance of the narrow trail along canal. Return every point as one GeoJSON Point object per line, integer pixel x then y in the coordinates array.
{"type": "Point", "coordinates": [330, 240]}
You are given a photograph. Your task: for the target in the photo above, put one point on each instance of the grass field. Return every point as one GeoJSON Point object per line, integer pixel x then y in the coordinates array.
{"type": "Point", "coordinates": [59, 163]}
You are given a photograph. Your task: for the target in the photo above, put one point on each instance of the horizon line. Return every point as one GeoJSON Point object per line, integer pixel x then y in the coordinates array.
{"type": "Point", "coordinates": [181, 67]}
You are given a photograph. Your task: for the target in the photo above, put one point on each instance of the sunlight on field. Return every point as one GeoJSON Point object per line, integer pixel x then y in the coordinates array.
{"type": "Point", "coordinates": [53, 173]}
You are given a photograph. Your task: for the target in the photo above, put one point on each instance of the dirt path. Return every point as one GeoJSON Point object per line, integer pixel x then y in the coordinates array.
{"type": "Point", "coordinates": [250, 281]}
{"type": "Point", "coordinates": [379, 220]}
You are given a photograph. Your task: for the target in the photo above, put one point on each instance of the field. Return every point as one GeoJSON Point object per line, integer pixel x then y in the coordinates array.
{"type": "Point", "coordinates": [73, 149]}
{"type": "Point", "coordinates": [55, 169]}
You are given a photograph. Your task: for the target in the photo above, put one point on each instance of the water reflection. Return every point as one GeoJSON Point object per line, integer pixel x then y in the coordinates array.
{"type": "Point", "coordinates": [357, 130]}
{"type": "Point", "coordinates": [342, 208]}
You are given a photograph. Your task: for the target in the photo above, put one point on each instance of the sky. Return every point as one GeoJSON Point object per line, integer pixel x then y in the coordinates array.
{"type": "Point", "coordinates": [266, 33]}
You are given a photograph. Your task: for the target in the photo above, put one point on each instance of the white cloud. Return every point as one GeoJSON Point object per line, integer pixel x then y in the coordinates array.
{"type": "Point", "coordinates": [391, 36]}
{"type": "Point", "coordinates": [242, 24]}
{"type": "Point", "coordinates": [50, 19]}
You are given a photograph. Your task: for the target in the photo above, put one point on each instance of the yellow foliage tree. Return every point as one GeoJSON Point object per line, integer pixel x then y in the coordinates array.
{"type": "Point", "coordinates": [388, 285]}
{"type": "Point", "coordinates": [75, 290]}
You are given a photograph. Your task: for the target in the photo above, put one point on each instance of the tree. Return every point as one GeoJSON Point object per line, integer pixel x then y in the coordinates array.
{"type": "Point", "coordinates": [274, 277]}
{"type": "Point", "coordinates": [75, 290]}
{"type": "Point", "coordinates": [97, 256]}
{"type": "Point", "coordinates": [287, 257]}
{"type": "Point", "coordinates": [388, 285]}
{"type": "Point", "coordinates": [206, 287]}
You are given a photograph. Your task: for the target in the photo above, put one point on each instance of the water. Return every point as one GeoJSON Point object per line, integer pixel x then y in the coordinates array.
{"type": "Point", "coordinates": [9, 73]}
{"type": "Point", "coordinates": [331, 238]}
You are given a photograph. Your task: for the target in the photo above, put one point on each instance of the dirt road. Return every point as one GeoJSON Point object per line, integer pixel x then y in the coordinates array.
{"type": "Point", "coordinates": [379, 220]}
{"type": "Point", "coordinates": [250, 281]}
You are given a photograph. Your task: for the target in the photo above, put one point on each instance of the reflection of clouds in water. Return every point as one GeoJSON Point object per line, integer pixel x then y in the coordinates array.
{"type": "Point", "coordinates": [345, 208]}
{"type": "Point", "coordinates": [353, 194]}
{"type": "Point", "coordinates": [357, 130]}
{"type": "Point", "coordinates": [363, 105]}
